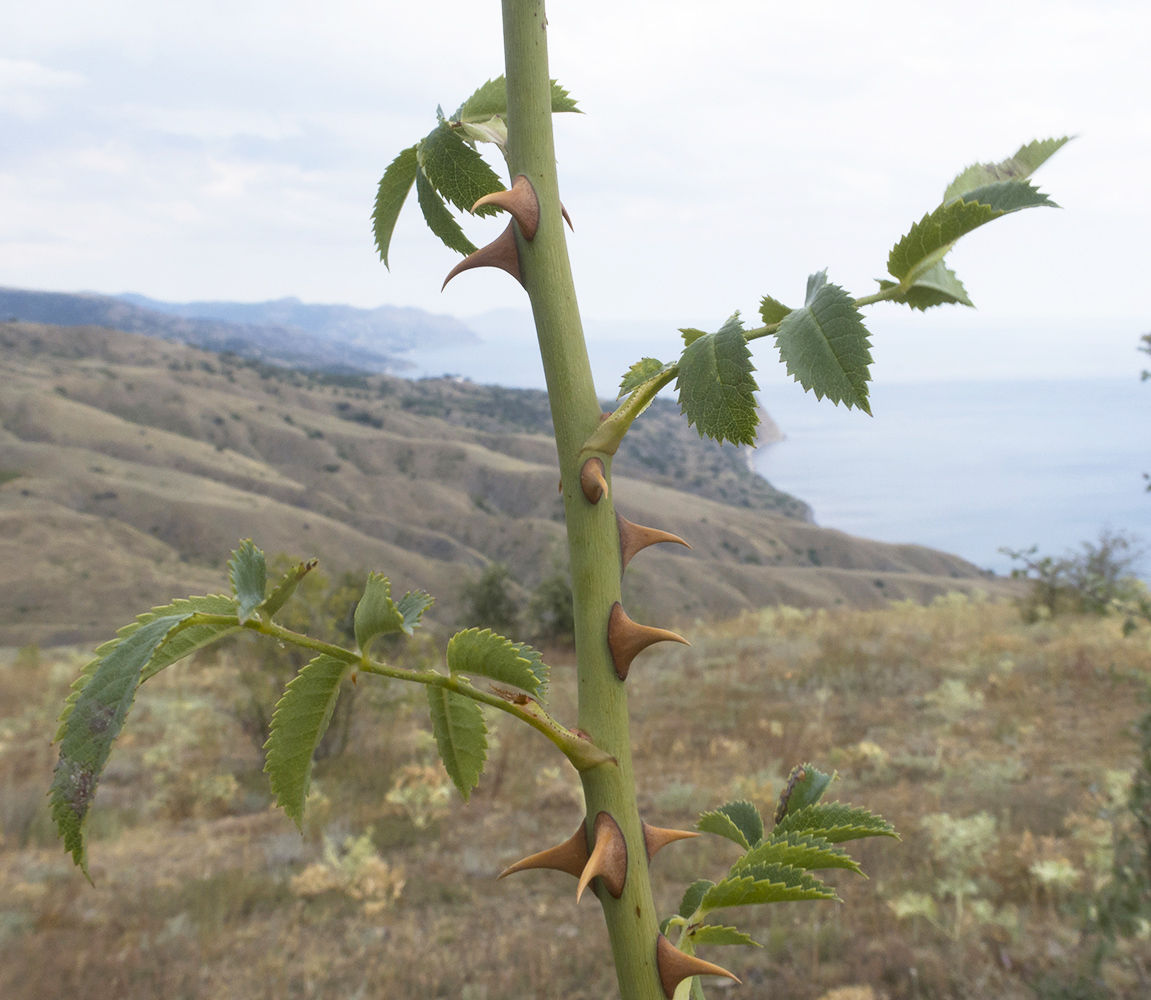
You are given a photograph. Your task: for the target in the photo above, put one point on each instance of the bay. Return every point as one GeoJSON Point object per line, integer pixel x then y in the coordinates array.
{"type": "Point", "coordinates": [971, 466]}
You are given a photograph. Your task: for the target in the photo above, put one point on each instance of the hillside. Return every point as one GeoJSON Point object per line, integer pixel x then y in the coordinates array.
{"type": "Point", "coordinates": [284, 332]}
{"type": "Point", "coordinates": [131, 466]}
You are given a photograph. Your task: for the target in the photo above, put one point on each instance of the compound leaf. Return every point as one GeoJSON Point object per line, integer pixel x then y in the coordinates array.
{"type": "Point", "coordinates": [799, 850]}
{"type": "Point", "coordinates": [642, 371]}
{"type": "Point", "coordinates": [298, 724]}
{"type": "Point", "coordinates": [835, 822]}
{"type": "Point", "coordinates": [693, 896]}
{"type": "Point", "coordinates": [390, 197]}
{"type": "Point", "coordinates": [764, 884]}
{"type": "Point", "coordinates": [482, 653]}
{"type": "Point", "coordinates": [714, 934]}
{"type": "Point", "coordinates": [461, 736]}
{"type": "Point", "coordinates": [716, 387]}
{"type": "Point", "coordinates": [92, 721]}
{"type": "Point", "coordinates": [825, 344]}
{"type": "Point", "coordinates": [457, 171]}
{"type": "Point", "coordinates": [249, 576]}
{"type": "Point", "coordinates": [439, 219]}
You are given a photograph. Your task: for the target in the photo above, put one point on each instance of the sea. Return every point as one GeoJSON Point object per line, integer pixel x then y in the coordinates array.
{"type": "Point", "coordinates": [969, 466]}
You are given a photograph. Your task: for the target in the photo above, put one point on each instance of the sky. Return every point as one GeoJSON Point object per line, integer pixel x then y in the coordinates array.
{"type": "Point", "coordinates": [206, 150]}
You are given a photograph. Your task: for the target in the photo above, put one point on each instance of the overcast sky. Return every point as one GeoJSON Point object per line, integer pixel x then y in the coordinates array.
{"type": "Point", "coordinates": [210, 150]}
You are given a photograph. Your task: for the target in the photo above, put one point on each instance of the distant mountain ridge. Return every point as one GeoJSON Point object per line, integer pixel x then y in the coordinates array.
{"type": "Point", "coordinates": [285, 332]}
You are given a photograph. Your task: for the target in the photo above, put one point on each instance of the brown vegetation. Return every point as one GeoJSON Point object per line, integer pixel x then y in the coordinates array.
{"type": "Point", "coordinates": [994, 746]}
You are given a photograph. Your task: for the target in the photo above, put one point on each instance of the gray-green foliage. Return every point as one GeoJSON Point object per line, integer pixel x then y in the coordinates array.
{"type": "Point", "coordinates": [774, 866]}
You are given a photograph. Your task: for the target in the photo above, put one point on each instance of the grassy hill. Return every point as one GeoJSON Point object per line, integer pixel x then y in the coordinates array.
{"type": "Point", "coordinates": [130, 467]}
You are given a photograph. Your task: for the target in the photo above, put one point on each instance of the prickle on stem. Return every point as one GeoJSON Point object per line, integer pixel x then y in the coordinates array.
{"type": "Point", "coordinates": [635, 537]}
{"type": "Point", "coordinates": [501, 253]}
{"type": "Point", "coordinates": [656, 838]}
{"type": "Point", "coordinates": [520, 202]}
{"type": "Point", "coordinates": [608, 858]}
{"type": "Point", "coordinates": [593, 480]}
{"type": "Point", "coordinates": [571, 856]}
{"type": "Point", "coordinates": [675, 966]}
{"type": "Point", "coordinates": [627, 639]}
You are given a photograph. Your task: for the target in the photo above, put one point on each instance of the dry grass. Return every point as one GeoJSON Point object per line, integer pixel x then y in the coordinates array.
{"type": "Point", "coordinates": [957, 709]}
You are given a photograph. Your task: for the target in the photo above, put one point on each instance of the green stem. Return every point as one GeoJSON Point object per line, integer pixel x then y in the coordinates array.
{"type": "Point", "coordinates": [583, 753]}
{"type": "Point", "coordinates": [593, 539]}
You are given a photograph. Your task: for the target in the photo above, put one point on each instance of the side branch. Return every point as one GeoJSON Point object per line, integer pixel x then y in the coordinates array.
{"type": "Point", "coordinates": [579, 750]}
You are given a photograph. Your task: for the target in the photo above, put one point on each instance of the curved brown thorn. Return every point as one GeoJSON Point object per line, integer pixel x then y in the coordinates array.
{"type": "Point", "coordinates": [608, 858]}
{"type": "Point", "coordinates": [634, 537]}
{"type": "Point", "coordinates": [657, 837]}
{"type": "Point", "coordinates": [571, 856]}
{"type": "Point", "coordinates": [567, 218]}
{"type": "Point", "coordinates": [520, 202]}
{"type": "Point", "coordinates": [501, 252]}
{"type": "Point", "coordinates": [627, 640]}
{"type": "Point", "coordinates": [593, 480]}
{"type": "Point", "coordinates": [675, 966]}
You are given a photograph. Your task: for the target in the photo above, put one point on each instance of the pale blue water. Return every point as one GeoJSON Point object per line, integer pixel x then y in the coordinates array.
{"type": "Point", "coordinates": [968, 467]}
{"type": "Point", "coordinates": [963, 466]}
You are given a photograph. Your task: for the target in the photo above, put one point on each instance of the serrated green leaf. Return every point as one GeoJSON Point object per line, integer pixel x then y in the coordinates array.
{"type": "Point", "coordinates": [835, 822]}
{"type": "Point", "coordinates": [935, 287]}
{"type": "Point", "coordinates": [716, 387]}
{"type": "Point", "coordinates": [286, 587]}
{"type": "Point", "coordinates": [482, 653]}
{"type": "Point", "coordinates": [929, 239]}
{"type": "Point", "coordinates": [693, 896]}
{"type": "Point", "coordinates": [186, 640]}
{"type": "Point", "coordinates": [249, 576]}
{"type": "Point", "coordinates": [738, 821]}
{"type": "Point", "coordinates": [492, 99]}
{"type": "Point", "coordinates": [799, 850]}
{"type": "Point", "coordinates": [298, 724]}
{"type": "Point", "coordinates": [691, 335]}
{"type": "Point", "coordinates": [1018, 167]}
{"type": "Point", "coordinates": [805, 787]}
{"type": "Point", "coordinates": [772, 310]}
{"type": "Point", "coordinates": [94, 720]}
{"type": "Point", "coordinates": [390, 197]}
{"type": "Point", "coordinates": [412, 607]}
{"type": "Point", "coordinates": [722, 825]}
{"type": "Point", "coordinates": [439, 219]}
{"type": "Point", "coordinates": [377, 614]}
{"type": "Point", "coordinates": [562, 101]}
{"type": "Point", "coordinates": [457, 171]}
{"type": "Point", "coordinates": [764, 884]}
{"type": "Point", "coordinates": [642, 371]}
{"type": "Point", "coordinates": [825, 345]}
{"type": "Point", "coordinates": [714, 934]}
{"type": "Point", "coordinates": [461, 737]}
{"type": "Point", "coordinates": [1009, 196]}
